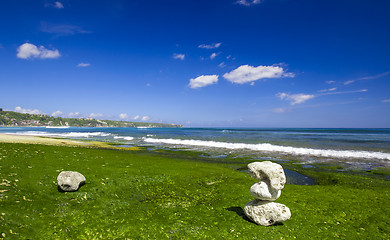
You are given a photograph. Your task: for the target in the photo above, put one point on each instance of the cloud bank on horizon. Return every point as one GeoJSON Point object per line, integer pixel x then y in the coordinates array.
{"type": "Point", "coordinates": [58, 113]}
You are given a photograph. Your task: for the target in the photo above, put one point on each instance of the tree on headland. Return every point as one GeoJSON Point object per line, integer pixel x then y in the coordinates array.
{"type": "Point", "coordinates": [10, 118]}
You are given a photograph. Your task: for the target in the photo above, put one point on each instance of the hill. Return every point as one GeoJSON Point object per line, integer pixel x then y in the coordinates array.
{"type": "Point", "coordinates": [15, 119]}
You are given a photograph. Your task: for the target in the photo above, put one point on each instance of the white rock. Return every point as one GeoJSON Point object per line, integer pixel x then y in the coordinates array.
{"type": "Point", "coordinates": [69, 181]}
{"type": "Point", "coordinates": [261, 190]}
{"type": "Point", "coordinates": [268, 170]}
{"type": "Point", "coordinates": [266, 213]}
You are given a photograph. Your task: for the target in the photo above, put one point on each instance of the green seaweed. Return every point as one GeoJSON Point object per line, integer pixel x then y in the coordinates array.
{"type": "Point", "coordinates": [174, 195]}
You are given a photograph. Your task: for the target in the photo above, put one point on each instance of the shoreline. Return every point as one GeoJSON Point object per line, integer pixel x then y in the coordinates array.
{"type": "Point", "coordinates": [294, 162]}
{"type": "Point", "coordinates": [26, 139]}
{"type": "Point", "coordinates": [64, 142]}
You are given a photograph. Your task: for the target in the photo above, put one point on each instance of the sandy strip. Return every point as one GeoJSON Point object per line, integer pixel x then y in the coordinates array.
{"type": "Point", "coordinates": [8, 138]}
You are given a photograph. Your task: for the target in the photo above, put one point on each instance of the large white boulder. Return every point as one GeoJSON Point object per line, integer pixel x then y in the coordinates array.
{"type": "Point", "coordinates": [267, 170]}
{"type": "Point", "coordinates": [266, 213]}
{"type": "Point", "coordinates": [69, 181]}
{"type": "Point", "coordinates": [263, 191]}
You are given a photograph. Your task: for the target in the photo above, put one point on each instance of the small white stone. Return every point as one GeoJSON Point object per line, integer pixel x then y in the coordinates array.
{"type": "Point", "coordinates": [266, 213]}
{"type": "Point", "coordinates": [268, 171]}
{"type": "Point", "coordinates": [263, 191]}
{"type": "Point", "coordinates": [69, 181]}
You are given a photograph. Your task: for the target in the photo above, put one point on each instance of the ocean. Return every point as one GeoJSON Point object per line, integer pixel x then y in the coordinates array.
{"type": "Point", "coordinates": [363, 148]}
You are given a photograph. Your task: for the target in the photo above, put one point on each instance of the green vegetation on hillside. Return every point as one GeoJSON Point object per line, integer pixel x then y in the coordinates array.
{"type": "Point", "coordinates": [151, 195]}
{"type": "Point", "coordinates": [9, 118]}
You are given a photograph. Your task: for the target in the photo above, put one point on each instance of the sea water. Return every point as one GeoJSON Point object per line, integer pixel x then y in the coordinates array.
{"type": "Point", "coordinates": [366, 147]}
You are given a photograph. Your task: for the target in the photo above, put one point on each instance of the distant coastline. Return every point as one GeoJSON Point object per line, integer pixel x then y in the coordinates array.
{"type": "Point", "coordinates": [15, 119]}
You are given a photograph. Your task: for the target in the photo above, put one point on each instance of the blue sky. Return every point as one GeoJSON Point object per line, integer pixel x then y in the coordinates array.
{"type": "Point", "coordinates": [247, 63]}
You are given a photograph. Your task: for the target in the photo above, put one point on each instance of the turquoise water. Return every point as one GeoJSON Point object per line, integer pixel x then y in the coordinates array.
{"type": "Point", "coordinates": [344, 145]}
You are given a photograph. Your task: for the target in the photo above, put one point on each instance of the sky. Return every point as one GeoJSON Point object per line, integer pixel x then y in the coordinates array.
{"type": "Point", "coordinates": [222, 63]}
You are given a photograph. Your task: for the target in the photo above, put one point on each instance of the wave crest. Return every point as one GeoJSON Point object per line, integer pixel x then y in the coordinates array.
{"type": "Point", "coordinates": [275, 148]}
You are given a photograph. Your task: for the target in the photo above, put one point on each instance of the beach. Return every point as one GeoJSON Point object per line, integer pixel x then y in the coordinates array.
{"type": "Point", "coordinates": [7, 138]}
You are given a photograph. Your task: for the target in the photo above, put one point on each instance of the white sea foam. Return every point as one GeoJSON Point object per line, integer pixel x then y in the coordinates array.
{"type": "Point", "coordinates": [275, 148]}
{"type": "Point", "coordinates": [226, 131]}
{"type": "Point", "coordinates": [30, 133]}
{"type": "Point", "coordinates": [125, 138]}
{"type": "Point", "coordinates": [86, 134]}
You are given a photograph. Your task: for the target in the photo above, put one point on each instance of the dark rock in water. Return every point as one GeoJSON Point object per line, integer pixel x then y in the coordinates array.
{"type": "Point", "coordinates": [69, 181]}
{"type": "Point", "coordinates": [297, 178]}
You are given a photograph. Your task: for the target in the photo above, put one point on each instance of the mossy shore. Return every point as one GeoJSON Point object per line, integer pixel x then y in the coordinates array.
{"type": "Point", "coordinates": [140, 194]}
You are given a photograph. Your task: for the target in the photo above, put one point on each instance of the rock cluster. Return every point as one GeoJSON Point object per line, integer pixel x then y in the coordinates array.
{"type": "Point", "coordinates": [69, 181]}
{"type": "Point", "coordinates": [263, 210]}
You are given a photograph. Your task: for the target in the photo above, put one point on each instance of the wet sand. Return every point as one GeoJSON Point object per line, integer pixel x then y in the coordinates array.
{"type": "Point", "coordinates": [11, 138]}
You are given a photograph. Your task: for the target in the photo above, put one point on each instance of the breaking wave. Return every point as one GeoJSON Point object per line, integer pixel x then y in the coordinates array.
{"type": "Point", "coordinates": [275, 148]}
{"type": "Point", "coordinates": [125, 138]}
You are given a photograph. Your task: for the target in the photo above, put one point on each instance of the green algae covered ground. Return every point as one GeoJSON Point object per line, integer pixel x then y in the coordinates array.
{"type": "Point", "coordinates": [150, 195]}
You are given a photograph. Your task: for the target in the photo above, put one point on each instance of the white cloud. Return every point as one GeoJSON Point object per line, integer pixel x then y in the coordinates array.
{"type": "Point", "coordinates": [62, 29]}
{"type": "Point", "coordinates": [123, 116]}
{"type": "Point", "coordinates": [246, 73]}
{"type": "Point", "coordinates": [83, 64]}
{"type": "Point", "coordinates": [58, 5]}
{"type": "Point", "coordinates": [74, 115]}
{"type": "Point", "coordinates": [96, 115]}
{"type": "Point", "coordinates": [368, 78]}
{"type": "Point", "coordinates": [213, 55]}
{"type": "Point", "coordinates": [136, 117]}
{"type": "Point", "coordinates": [375, 76]}
{"type": "Point", "coordinates": [30, 111]}
{"type": "Point", "coordinates": [282, 95]}
{"type": "Point", "coordinates": [386, 100]}
{"type": "Point", "coordinates": [222, 65]}
{"type": "Point", "coordinates": [29, 51]}
{"type": "Point", "coordinates": [345, 92]}
{"type": "Point", "coordinates": [280, 110]}
{"type": "Point", "coordinates": [57, 113]}
{"type": "Point", "coordinates": [327, 90]}
{"type": "Point", "coordinates": [248, 2]}
{"type": "Point", "coordinates": [145, 118]}
{"type": "Point", "coordinates": [210, 46]}
{"type": "Point", "coordinates": [179, 56]}
{"type": "Point", "coordinates": [349, 82]}
{"type": "Point", "coordinates": [301, 98]}
{"type": "Point", "coordinates": [203, 81]}
{"type": "Point", "coordinates": [330, 82]}
{"type": "Point", "coordinates": [295, 98]}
